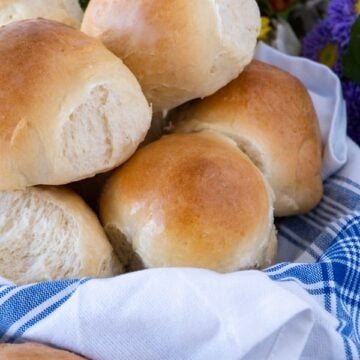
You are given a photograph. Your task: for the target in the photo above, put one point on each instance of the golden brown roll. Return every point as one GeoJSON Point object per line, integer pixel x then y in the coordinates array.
{"type": "Point", "coordinates": [34, 351]}
{"type": "Point", "coordinates": [69, 108]}
{"type": "Point", "coordinates": [270, 115]}
{"type": "Point", "coordinates": [49, 233]}
{"type": "Point", "coordinates": [190, 200]}
{"type": "Point", "coordinates": [65, 11]}
{"type": "Point", "coordinates": [180, 49]}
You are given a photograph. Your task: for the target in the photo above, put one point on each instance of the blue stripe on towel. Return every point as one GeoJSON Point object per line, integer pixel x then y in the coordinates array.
{"type": "Point", "coordinates": [25, 300]}
{"type": "Point", "coordinates": [328, 239]}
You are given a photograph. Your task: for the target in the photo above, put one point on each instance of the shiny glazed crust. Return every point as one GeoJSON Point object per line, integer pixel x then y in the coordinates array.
{"type": "Point", "coordinates": [270, 115]}
{"type": "Point", "coordinates": [191, 200]}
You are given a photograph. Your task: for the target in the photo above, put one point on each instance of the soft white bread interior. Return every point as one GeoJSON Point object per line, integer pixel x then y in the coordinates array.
{"type": "Point", "coordinates": [69, 108]}
{"type": "Point", "coordinates": [50, 233]}
{"type": "Point", "coordinates": [191, 200]}
{"type": "Point", "coordinates": [68, 12]}
{"type": "Point", "coordinates": [180, 49]}
{"type": "Point", "coordinates": [270, 115]}
{"type": "Point", "coordinates": [34, 351]}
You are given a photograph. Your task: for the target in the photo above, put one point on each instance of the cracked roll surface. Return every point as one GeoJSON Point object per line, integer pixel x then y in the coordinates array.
{"type": "Point", "coordinates": [69, 108]}
{"type": "Point", "coordinates": [180, 49]}
{"type": "Point", "coordinates": [191, 200]}
{"type": "Point", "coordinates": [49, 233]}
{"type": "Point", "coordinates": [270, 115]}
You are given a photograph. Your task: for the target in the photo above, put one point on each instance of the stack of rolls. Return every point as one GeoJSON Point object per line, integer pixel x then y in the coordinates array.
{"type": "Point", "coordinates": [243, 143]}
{"type": "Point", "coordinates": [69, 109]}
{"type": "Point", "coordinates": [248, 151]}
{"type": "Point", "coordinates": [186, 200]}
{"type": "Point", "coordinates": [270, 115]}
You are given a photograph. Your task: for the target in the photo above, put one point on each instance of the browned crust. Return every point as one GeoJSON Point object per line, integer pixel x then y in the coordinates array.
{"type": "Point", "coordinates": [202, 195]}
{"type": "Point", "coordinates": [272, 110]}
{"type": "Point", "coordinates": [34, 351]}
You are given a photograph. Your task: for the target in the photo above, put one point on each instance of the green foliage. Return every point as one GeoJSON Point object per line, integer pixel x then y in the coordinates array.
{"type": "Point", "coordinates": [351, 60]}
{"type": "Point", "coordinates": [265, 8]}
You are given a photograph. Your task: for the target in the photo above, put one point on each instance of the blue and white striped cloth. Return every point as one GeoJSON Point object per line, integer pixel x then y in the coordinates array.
{"type": "Point", "coordinates": [305, 307]}
{"type": "Point", "coordinates": [325, 248]}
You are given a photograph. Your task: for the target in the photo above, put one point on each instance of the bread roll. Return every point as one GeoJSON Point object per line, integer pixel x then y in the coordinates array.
{"type": "Point", "coordinates": [65, 11]}
{"type": "Point", "coordinates": [180, 49]}
{"type": "Point", "coordinates": [69, 108]}
{"type": "Point", "coordinates": [50, 233]}
{"type": "Point", "coordinates": [33, 351]}
{"type": "Point", "coordinates": [190, 200]}
{"type": "Point", "coordinates": [270, 115]}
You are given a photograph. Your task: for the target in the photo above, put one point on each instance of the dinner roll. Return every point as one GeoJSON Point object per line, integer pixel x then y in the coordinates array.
{"type": "Point", "coordinates": [270, 116]}
{"type": "Point", "coordinates": [33, 351]}
{"type": "Point", "coordinates": [66, 11]}
{"type": "Point", "coordinates": [50, 233]}
{"type": "Point", "coordinates": [191, 200]}
{"type": "Point", "coordinates": [69, 108]}
{"type": "Point", "coordinates": [180, 49]}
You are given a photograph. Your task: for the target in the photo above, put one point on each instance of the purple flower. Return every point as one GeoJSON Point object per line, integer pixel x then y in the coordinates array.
{"type": "Point", "coordinates": [326, 44]}
{"type": "Point", "coordinates": [341, 16]}
{"type": "Point", "coordinates": [323, 45]}
{"type": "Point", "coordinates": [352, 96]}
{"type": "Point", "coordinates": [319, 45]}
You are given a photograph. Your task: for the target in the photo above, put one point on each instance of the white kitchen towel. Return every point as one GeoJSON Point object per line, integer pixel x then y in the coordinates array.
{"type": "Point", "coordinates": [305, 307]}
